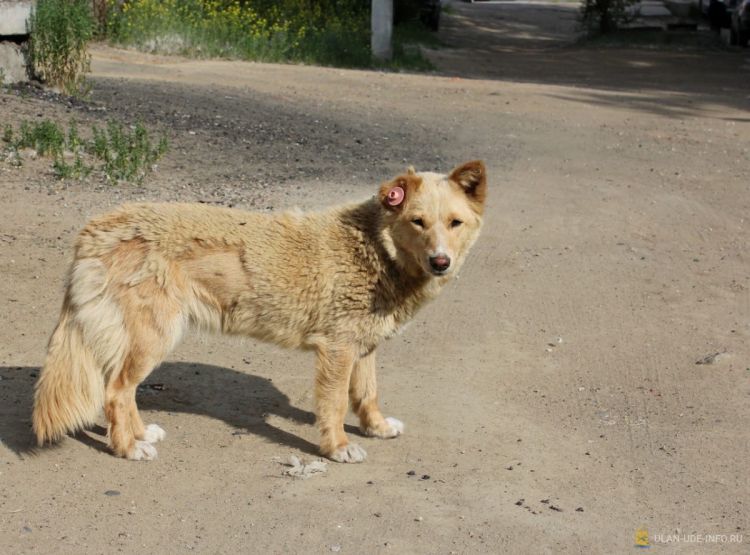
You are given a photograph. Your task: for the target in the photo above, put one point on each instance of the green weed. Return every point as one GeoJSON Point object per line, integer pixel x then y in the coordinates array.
{"type": "Point", "coordinates": [44, 137]}
{"type": "Point", "coordinates": [8, 133]}
{"type": "Point", "coordinates": [118, 152]}
{"type": "Point", "coordinates": [126, 155]}
{"type": "Point", "coordinates": [60, 33]}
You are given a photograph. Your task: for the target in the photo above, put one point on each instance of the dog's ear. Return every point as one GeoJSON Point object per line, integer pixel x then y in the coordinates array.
{"type": "Point", "coordinates": [394, 194]}
{"type": "Point", "coordinates": [472, 178]}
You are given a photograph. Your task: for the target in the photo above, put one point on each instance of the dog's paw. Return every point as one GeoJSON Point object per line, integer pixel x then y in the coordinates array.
{"type": "Point", "coordinates": [153, 433]}
{"type": "Point", "coordinates": [351, 453]}
{"type": "Point", "coordinates": [396, 425]}
{"type": "Point", "coordinates": [389, 428]}
{"type": "Point", "coordinates": [143, 451]}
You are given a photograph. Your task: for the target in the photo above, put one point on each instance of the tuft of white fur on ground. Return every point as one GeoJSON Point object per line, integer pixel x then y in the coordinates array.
{"type": "Point", "coordinates": [297, 468]}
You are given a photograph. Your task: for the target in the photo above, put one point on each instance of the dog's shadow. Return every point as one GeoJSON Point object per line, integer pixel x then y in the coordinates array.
{"type": "Point", "coordinates": [243, 401]}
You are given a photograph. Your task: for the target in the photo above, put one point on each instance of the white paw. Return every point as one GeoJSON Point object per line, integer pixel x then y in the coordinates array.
{"type": "Point", "coordinates": [154, 433]}
{"type": "Point", "coordinates": [396, 425]}
{"type": "Point", "coordinates": [143, 451]}
{"type": "Point", "coordinates": [393, 427]}
{"type": "Point", "coordinates": [351, 453]}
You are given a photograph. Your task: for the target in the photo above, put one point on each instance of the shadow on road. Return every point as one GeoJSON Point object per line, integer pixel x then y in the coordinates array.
{"type": "Point", "coordinates": [532, 42]}
{"type": "Point", "coordinates": [243, 401]}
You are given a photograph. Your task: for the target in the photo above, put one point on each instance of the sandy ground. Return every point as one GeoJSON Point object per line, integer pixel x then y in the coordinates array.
{"type": "Point", "coordinates": [552, 398]}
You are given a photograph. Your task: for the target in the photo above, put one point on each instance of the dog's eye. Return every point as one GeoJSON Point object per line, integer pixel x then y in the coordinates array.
{"type": "Point", "coordinates": [456, 223]}
{"type": "Point", "coordinates": [418, 222]}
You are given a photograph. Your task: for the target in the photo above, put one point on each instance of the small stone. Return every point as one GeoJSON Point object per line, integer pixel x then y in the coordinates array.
{"type": "Point", "coordinates": [418, 519]}
{"type": "Point", "coordinates": [336, 548]}
{"type": "Point", "coordinates": [111, 493]}
{"type": "Point", "coordinates": [520, 502]}
{"type": "Point", "coordinates": [579, 509]}
{"type": "Point", "coordinates": [411, 473]}
{"type": "Point", "coordinates": [425, 477]}
{"type": "Point", "coordinates": [712, 358]}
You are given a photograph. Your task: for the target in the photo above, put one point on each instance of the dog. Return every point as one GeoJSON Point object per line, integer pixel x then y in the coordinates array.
{"type": "Point", "coordinates": [337, 282]}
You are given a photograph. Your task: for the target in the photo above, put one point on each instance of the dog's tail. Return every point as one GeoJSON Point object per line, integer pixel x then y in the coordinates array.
{"type": "Point", "coordinates": [87, 344]}
{"type": "Point", "coordinates": [70, 390]}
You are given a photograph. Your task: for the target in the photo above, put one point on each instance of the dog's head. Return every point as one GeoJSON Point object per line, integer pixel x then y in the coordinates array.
{"type": "Point", "coordinates": [433, 219]}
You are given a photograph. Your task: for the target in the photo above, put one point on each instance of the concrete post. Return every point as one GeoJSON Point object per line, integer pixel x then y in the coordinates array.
{"type": "Point", "coordinates": [14, 15]}
{"type": "Point", "coordinates": [382, 29]}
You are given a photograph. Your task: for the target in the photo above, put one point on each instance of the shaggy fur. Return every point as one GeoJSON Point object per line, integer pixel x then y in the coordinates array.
{"type": "Point", "coordinates": [336, 282]}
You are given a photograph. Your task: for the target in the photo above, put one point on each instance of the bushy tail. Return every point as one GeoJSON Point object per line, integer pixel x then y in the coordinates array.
{"type": "Point", "coordinates": [70, 389]}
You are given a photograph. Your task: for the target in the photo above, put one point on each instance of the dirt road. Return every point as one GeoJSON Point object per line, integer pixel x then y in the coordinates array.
{"type": "Point", "coordinates": [551, 396]}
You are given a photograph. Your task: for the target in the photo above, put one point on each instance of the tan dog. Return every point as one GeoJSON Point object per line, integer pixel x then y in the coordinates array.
{"type": "Point", "coordinates": [336, 282]}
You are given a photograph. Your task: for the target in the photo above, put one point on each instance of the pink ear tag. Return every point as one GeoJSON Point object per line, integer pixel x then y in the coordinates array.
{"type": "Point", "coordinates": [395, 196]}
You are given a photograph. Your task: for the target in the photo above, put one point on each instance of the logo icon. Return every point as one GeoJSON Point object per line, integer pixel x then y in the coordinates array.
{"type": "Point", "coordinates": [641, 538]}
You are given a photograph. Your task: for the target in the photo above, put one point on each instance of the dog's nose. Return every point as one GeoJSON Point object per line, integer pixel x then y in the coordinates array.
{"type": "Point", "coordinates": [440, 263]}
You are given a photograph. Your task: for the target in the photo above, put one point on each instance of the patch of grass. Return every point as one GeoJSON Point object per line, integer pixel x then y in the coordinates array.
{"type": "Point", "coordinates": [60, 33]}
{"type": "Point", "coordinates": [126, 155]}
{"type": "Point", "coordinates": [323, 32]}
{"type": "Point", "coordinates": [119, 153]}
{"type": "Point", "coordinates": [44, 137]}
{"type": "Point", "coordinates": [7, 133]}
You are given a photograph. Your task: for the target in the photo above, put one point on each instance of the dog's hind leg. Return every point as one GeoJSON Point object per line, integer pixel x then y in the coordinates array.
{"type": "Point", "coordinates": [363, 392]}
{"type": "Point", "coordinates": [334, 368]}
{"type": "Point", "coordinates": [154, 326]}
{"type": "Point", "coordinates": [125, 424]}
{"type": "Point", "coordinates": [150, 433]}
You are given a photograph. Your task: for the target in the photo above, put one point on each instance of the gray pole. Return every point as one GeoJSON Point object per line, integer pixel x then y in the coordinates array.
{"type": "Point", "coordinates": [382, 29]}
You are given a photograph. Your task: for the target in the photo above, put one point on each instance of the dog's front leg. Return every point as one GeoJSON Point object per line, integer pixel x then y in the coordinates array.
{"type": "Point", "coordinates": [334, 369]}
{"type": "Point", "coordinates": [363, 392]}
